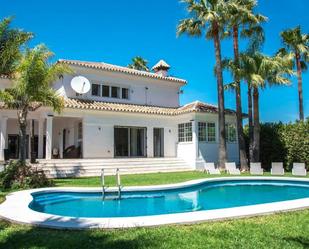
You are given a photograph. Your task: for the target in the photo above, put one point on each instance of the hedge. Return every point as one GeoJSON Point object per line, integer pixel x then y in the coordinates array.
{"type": "Point", "coordinates": [285, 143]}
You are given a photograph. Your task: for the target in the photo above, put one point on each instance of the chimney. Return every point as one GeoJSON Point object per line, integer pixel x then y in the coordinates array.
{"type": "Point", "coordinates": [161, 68]}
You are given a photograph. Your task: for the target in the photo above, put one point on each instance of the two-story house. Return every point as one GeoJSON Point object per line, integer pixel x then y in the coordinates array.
{"type": "Point", "coordinates": [126, 113]}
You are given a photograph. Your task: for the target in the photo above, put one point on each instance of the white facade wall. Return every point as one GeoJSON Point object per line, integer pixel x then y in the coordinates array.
{"type": "Point", "coordinates": [206, 151]}
{"type": "Point", "coordinates": [142, 90]}
{"type": "Point", "coordinates": [99, 132]}
{"type": "Point", "coordinates": [5, 83]}
{"type": "Point", "coordinates": [186, 150]}
{"type": "Point", "coordinates": [98, 126]}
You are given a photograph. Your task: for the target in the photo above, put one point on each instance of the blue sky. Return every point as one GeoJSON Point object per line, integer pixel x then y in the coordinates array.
{"type": "Point", "coordinates": [116, 31]}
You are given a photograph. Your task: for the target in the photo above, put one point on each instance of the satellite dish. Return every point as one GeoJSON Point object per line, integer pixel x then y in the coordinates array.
{"type": "Point", "coordinates": [80, 84]}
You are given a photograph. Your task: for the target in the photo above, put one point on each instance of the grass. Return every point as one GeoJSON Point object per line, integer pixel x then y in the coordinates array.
{"type": "Point", "coordinates": [288, 230]}
{"type": "Point", "coordinates": [139, 179]}
{"type": "Point", "coordinates": [285, 230]}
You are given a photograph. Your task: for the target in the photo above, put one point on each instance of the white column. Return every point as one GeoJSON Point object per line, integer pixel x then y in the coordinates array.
{"type": "Point", "coordinates": [49, 137]}
{"type": "Point", "coordinates": [30, 136]}
{"type": "Point", "coordinates": [149, 141]}
{"type": "Point", "coordinates": [3, 143]}
{"type": "Point", "coordinates": [40, 137]}
{"type": "Point", "coordinates": [198, 164]}
{"type": "Point", "coordinates": [195, 137]}
{"type": "Point", "coordinates": [60, 146]}
{"type": "Point", "coordinates": [83, 137]}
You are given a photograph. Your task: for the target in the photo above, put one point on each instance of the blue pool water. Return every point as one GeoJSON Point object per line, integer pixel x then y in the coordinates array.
{"type": "Point", "coordinates": [205, 196]}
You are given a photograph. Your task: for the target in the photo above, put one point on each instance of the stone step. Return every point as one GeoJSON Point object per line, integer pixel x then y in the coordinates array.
{"type": "Point", "coordinates": [110, 160]}
{"type": "Point", "coordinates": [126, 168]}
{"type": "Point", "coordinates": [93, 174]}
{"type": "Point", "coordinates": [113, 170]}
{"type": "Point", "coordinates": [107, 165]}
{"type": "Point", "coordinates": [93, 167]}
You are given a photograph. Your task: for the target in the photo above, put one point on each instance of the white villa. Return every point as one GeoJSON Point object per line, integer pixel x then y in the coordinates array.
{"type": "Point", "coordinates": [127, 114]}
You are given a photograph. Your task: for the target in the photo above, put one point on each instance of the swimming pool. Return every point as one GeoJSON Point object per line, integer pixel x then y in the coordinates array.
{"type": "Point", "coordinates": [204, 196]}
{"type": "Point", "coordinates": [193, 201]}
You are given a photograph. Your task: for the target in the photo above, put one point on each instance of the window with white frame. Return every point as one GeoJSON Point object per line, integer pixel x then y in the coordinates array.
{"type": "Point", "coordinates": [202, 131]}
{"type": "Point", "coordinates": [230, 130]}
{"type": "Point", "coordinates": [124, 93]}
{"type": "Point", "coordinates": [211, 132]}
{"type": "Point", "coordinates": [206, 132]}
{"type": "Point", "coordinates": [185, 132]}
{"type": "Point", "coordinates": [95, 90]}
{"type": "Point", "coordinates": [115, 92]}
{"type": "Point", "coordinates": [105, 91]}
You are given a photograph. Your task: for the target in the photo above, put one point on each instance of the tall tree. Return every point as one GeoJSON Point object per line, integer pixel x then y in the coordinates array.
{"type": "Point", "coordinates": [32, 85]}
{"type": "Point", "coordinates": [257, 38]}
{"type": "Point", "coordinates": [259, 71]}
{"type": "Point", "coordinates": [240, 17]}
{"type": "Point", "coordinates": [11, 41]}
{"type": "Point", "coordinates": [139, 63]}
{"type": "Point", "coordinates": [206, 18]}
{"type": "Point", "coordinates": [298, 44]}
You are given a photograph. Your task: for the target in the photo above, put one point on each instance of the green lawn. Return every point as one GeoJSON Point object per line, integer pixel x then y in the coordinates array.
{"type": "Point", "coordinates": [289, 230]}
{"type": "Point", "coordinates": [140, 179]}
{"type": "Point", "coordinates": [286, 230]}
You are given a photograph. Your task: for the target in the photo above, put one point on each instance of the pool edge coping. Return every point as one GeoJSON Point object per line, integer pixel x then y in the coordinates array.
{"type": "Point", "coordinates": [16, 208]}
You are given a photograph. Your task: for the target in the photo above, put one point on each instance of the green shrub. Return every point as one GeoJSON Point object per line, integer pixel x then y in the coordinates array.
{"type": "Point", "coordinates": [21, 175]}
{"type": "Point", "coordinates": [285, 143]}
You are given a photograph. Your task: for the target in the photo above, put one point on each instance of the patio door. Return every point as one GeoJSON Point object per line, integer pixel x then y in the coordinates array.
{"type": "Point", "coordinates": [14, 143]}
{"type": "Point", "coordinates": [13, 146]}
{"type": "Point", "coordinates": [130, 141]}
{"type": "Point", "coordinates": [158, 142]}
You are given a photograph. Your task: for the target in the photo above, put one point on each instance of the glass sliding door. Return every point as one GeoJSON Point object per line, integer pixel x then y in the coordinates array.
{"type": "Point", "coordinates": [130, 141]}
{"type": "Point", "coordinates": [121, 138]}
{"type": "Point", "coordinates": [14, 145]}
{"type": "Point", "coordinates": [158, 142]}
{"type": "Point", "coordinates": [137, 142]}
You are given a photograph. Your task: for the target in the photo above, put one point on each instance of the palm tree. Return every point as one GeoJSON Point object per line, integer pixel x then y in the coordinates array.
{"type": "Point", "coordinates": [206, 18]}
{"type": "Point", "coordinates": [11, 41]}
{"type": "Point", "coordinates": [240, 15]}
{"type": "Point", "coordinates": [139, 63]}
{"type": "Point", "coordinates": [32, 85]}
{"type": "Point", "coordinates": [260, 70]}
{"type": "Point", "coordinates": [298, 44]}
{"type": "Point", "coordinates": [256, 41]}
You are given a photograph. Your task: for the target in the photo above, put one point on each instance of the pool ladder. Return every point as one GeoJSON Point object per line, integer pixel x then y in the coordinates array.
{"type": "Point", "coordinates": [117, 181]}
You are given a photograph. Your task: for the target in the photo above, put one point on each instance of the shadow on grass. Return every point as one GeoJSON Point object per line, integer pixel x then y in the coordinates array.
{"type": "Point", "coordinates": [299, 239]}
{"type": "Point", "coordinates": [16, 236]}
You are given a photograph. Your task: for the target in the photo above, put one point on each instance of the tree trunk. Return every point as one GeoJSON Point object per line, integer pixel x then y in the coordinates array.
{"type": "Point", "coordinates": [241, 140]}
{"type": "Point", "coordinates": [256, 128]}
{"type": "Point", "coordinates": [22, 120]}
{"type": "Point", "coordinates": [222, 142]}
{"type": "Point", "coordinates": [32, 154]}
{"type": "Point", "coordinates": [250, 122]}
{"type": "Point", "coordinates": [300, 88]}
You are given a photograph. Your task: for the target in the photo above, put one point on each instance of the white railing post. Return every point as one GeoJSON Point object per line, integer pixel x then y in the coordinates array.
{"type": "Point", "coordinates": [118, 183]}
{"type": "Point", "coordinates": [103, 183]}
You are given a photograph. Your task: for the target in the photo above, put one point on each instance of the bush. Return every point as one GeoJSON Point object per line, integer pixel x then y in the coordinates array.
{"type": "Point", "coordinates": [21, 175]}
{"type": "Point", "coordinates": [285, 143]}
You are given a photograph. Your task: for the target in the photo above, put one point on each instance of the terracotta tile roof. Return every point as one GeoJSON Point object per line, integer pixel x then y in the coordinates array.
{"type": "Point", "coordinates": [199, 106]}
{"type": "Point", "coordinates": [115, 68]}
{"type": "Point", "coordinates": [120, 107]}
{"type": "Point", "coordinates": [117, 107]}
{"type": "Point", "coordinates": [161, 64]}
{"type": "Point", "coordinates": [2, 76]}
{"type": "Point", "coordinates": [34, 106]}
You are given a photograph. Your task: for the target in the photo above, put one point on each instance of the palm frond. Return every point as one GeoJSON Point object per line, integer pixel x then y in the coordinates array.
{"type": "Point", "coordinates": [190, 26]}
{"type": "Point", "coordinates": [230, 86]}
